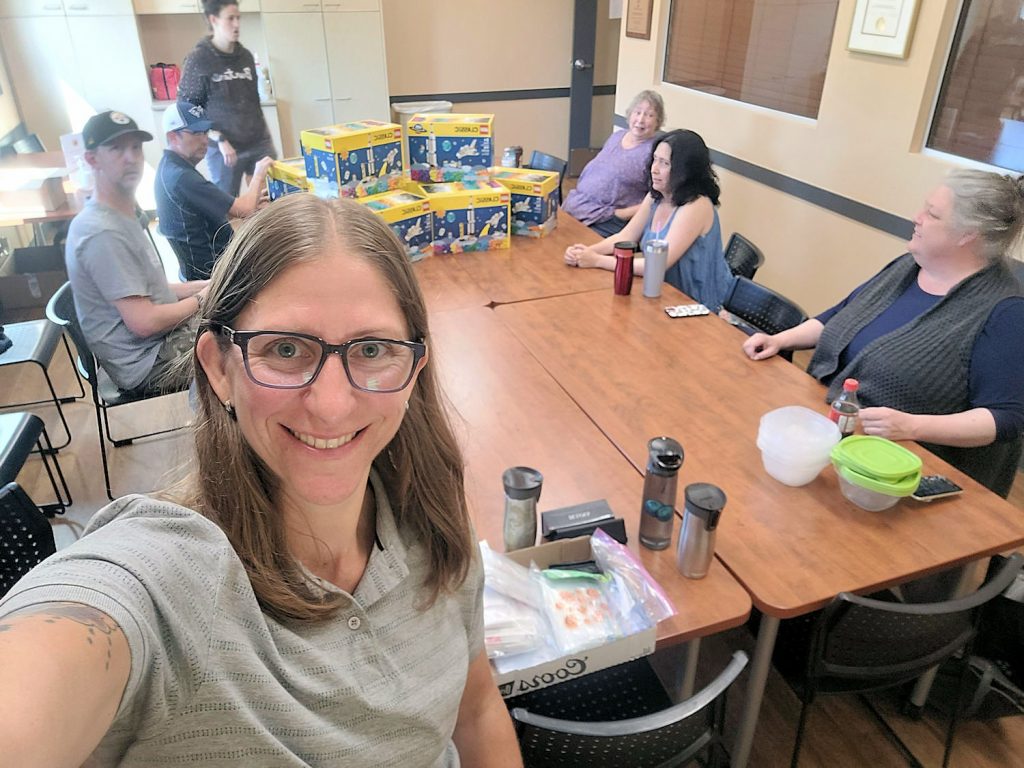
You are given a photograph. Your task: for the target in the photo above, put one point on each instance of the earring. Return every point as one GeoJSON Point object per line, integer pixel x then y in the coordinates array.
{"type": "Point", "coordinates": [407, 405]}
{"type": "Point", "coordinates": [229, 408]}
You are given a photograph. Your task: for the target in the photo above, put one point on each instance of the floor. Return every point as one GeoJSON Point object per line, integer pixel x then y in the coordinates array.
{"type": "Point", "coordinates": [840, 732]}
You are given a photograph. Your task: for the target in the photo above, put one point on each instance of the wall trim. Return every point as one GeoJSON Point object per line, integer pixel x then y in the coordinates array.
{"type": "Point", "coordinates": [511, 95]}
{"type": "Point", "coordinates": [823, 198]}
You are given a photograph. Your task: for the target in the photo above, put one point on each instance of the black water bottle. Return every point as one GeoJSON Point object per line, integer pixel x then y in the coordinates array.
{"type": "Point", "coordinates": [657, 513]}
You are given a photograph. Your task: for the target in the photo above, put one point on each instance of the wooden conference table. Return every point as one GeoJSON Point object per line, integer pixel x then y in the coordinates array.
{"type": "Point", "coordinates": [631, 373]}
{"type": "Point", "coordinates": [636, 373]}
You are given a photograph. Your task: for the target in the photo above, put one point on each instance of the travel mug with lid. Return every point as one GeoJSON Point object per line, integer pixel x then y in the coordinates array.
{"type": "Point", "coordinates": [655, 259]}
{"type": "Point", "coordinates": [522, 490]}
{"type": "Point", "coordinates": [657, 511]}
{"type": "Point", "coordinates": [704, 504]}
{"type": "Point", "coordinates": [624, 252]}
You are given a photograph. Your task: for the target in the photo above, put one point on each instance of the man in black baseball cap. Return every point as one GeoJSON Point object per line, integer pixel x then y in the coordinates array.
{"type": "Point", "coordinates": [107, 126]}
{"type": "Point", "coordinates": [136, 323]}
{"type": "Point", "coordinates": [194, 212]}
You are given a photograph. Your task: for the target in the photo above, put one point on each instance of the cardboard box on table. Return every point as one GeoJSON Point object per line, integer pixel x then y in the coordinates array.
{"type": "Point", "coordinates": [520, 681]}
{"type": "Point", "coordinates": [410, 218]}
{"type": "Point", "coordinates": [286, 177]}
{"type": "Point", "coordinates": [450, 140]}
{"type": "Point", "coordinates": [354, 159]}
{"type": "Point", "coordinates": [468, 216]}
{"type": "Point", "coordinates": [534, 199]}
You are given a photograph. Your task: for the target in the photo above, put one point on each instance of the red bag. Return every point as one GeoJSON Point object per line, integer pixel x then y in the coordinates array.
{"type": "Point", "coordinates": [163, 80]}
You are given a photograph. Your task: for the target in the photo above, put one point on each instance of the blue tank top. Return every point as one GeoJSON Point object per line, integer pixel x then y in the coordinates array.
{"type": "Point", "coordinates": [701, 272]}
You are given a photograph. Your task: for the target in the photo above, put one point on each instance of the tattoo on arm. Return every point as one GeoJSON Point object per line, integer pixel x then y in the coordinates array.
{"type": "Point", "coordinates": [99, 628]}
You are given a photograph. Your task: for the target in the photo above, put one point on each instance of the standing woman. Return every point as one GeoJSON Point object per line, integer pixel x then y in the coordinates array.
{"type": "Point", "coordinates": [935, 338]}
{"type": "Point", "coordinates": [311, 595]}
{"type": "Point", "coordinates": [220, 76]}
{"type": "Point", "coordinates": [612, 185]}
{"type": "Point", "coordinates": [681, 209]}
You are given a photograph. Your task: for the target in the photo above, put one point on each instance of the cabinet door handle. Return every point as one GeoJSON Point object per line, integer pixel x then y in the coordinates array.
{"type": "Point", "coordinates": [52, 7]}
{"type": "Point", "coordinates": [311, 5]}
{"type": "Point", "coordinates": [343, 98]}
{"type": "Point", "coordinates": [78, 7]}
{"type": "Point", "coordinates": [325, 98]}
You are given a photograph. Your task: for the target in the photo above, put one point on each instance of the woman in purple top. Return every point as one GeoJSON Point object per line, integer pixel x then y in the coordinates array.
{"type": "Point", "coordinates": [613, 183]}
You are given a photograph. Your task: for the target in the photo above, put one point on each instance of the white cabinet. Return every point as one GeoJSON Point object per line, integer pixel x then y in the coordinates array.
{"type": "Point", "coordinates": [290, 6]}
{"type": "Point", "coordinates": [165, 6]}
{"type": "Point", "coordinates": [355, 58]}
{"type": "Point", "coordinates": [18, 8]}
{"type": "Point", "coordinates": [98, 8]}
{"type": "Point", "coordinates": [298, 71]}
{"type": "Point", "coordinates": [326, 67]}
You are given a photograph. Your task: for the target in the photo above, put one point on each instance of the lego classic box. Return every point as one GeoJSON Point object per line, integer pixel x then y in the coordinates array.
{"type": "Point", "coordinates": [285, 177]}
{"type": "Point", "coordinates": [438, 140]}
{"type": "Point", "coordinates": [534, 199]}
{"type": "Point", "coordinates": [409, 216]}
{"type": "Point", "coordinates": [355, 159]}
{"type": "Point", "coordinates": [468, 216]}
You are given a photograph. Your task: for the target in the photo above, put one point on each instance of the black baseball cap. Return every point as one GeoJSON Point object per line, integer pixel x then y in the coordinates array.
{"type": "Point", "coordinates": [107, 126]}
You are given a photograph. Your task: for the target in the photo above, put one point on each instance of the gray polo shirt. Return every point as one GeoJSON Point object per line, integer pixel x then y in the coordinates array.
{"type": "Point", "coordinates": [109, 257]}
{"type": "Point", "coordinates": [216, 682]}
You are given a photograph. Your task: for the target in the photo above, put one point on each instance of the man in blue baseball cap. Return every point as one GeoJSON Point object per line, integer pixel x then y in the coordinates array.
{"type": "Point", "coordinates": [194, 212]}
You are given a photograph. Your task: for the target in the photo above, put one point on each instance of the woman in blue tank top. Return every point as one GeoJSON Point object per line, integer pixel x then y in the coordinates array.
{"type": "Point", "coordinates": [680, 209]}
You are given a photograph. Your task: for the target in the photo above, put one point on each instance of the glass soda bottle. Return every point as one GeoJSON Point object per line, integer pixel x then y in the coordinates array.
{"type": "Point", "coordinates": [846, 407]}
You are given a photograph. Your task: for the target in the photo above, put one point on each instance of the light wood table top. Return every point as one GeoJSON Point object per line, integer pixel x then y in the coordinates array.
{"type": "Point", "coordinates": [638, 373]}
{"type": "Point", "coordinates": [446, 285]}
{"type": "Point", "coordinates": [533, 268]}
{"type": "Point", "coordinates": [509, 412]}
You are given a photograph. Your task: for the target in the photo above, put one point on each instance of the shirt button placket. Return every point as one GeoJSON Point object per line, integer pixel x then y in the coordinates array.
{"type": "Point", "coordinates": [354, 622]}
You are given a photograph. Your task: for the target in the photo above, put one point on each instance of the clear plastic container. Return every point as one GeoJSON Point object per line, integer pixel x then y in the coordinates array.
{"type": "Point", "coordinates": [790, 471]}
{"type": "Point", "coordinates": [795, 443]}
{"type": "Point", "coordinates": [865, 498]}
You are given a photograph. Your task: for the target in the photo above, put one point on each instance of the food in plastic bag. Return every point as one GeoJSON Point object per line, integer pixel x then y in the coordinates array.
{"type": "Point", "coordinates": [576, 605]}
{"type": "Point", "coordinates": [511, 627]}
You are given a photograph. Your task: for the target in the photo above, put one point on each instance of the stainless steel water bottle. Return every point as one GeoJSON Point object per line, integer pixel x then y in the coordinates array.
{"type": "Point", "coordinates": [704, 504]}
{"type": "Point", "coordinates": [655, 260]}
{"type": "Point", "coordinates": [522, 490]}
{"type": "Point", "coordinates": [657, 511]}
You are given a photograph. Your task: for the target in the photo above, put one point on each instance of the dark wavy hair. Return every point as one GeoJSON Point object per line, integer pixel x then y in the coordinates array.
{"type": "Point", "coordinates": [691, 175]}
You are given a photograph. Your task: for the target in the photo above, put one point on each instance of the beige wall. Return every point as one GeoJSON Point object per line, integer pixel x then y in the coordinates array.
{"type": "Point", "coordinates": [9, 117]}
{"type": "Point", "coordinates": [865, 145]}
{"type": "Point", "coordinates": [502, 46]}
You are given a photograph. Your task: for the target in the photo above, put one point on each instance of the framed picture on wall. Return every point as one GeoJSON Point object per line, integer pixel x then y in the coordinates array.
{"type": "Point", "coordinates": [883, 27]}
{"type": "Point", "coordinates": [638, 19]}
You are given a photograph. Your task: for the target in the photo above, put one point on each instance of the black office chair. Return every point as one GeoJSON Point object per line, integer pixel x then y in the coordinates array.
{"type": "Point", "coordinates": [22, 434]}
{"type": "Point", "coordinates": [743, 257]}
{"type": "Point", "coordinates": [105, 394]}
{"type": "Point", "coordinates": [26, 538]}
{"type": "Point", "coordinates": [622, 716]}
{"type": "Point", "coordinates": [758, 308]}
{"type": "Point", "coordinates": [860, 644]}
{"type": "Point", "coordinates": [28, 145]}
{"type": "Point", "coordinates": [542, 161]}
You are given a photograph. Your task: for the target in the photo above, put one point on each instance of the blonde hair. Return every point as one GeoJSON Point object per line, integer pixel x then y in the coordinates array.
{"type": "Point", "coordinates": [421, 467]}
{"type": "Point", "coordinates": [990, 204]}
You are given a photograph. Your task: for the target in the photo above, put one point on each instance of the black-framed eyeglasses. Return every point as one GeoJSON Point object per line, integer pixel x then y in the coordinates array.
{"type": "Point", "coordinates": [289, 360]}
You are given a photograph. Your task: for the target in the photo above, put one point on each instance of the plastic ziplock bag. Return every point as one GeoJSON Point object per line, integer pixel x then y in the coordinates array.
{"type": "Point", "coordinates": [631, 578]}
{"type": "Point", "coordinates": [577, 608]}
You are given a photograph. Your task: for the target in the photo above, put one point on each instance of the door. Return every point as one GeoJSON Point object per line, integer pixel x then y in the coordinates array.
{"type": "Point", "coordinates": [581, 87]}
{"type": "Point", "coordinates": [358, 70]}
{"type": "Point", "coordinates": [298, 65]}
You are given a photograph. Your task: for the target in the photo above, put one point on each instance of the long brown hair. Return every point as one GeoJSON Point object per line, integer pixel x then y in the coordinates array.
{"type": "Point", "coordinates": [421, 467]}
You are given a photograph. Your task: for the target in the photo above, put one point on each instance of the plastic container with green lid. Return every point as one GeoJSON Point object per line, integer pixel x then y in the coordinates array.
{"type": "Point", "coordinates": [876, 457]}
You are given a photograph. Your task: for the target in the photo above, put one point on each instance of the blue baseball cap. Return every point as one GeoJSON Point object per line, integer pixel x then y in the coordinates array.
{"type": "Point", "coordinates": [185, 116]}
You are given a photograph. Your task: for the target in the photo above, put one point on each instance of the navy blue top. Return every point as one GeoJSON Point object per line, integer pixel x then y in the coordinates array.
{"type": "Point", "coordinates": [996, 379]}
{"type": "Point", "coordinates": [193, 215]}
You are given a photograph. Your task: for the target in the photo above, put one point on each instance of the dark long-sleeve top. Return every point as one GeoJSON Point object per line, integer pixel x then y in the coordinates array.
{"type": "Point", "coordinates": [997, 360]}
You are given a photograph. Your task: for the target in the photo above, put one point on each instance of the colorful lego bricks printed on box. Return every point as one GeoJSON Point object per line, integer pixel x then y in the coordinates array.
{"type": "Point", "coordinates": [468, 215]}
{"type": "Point", "coordinates": [355, 159]}
{"type": "Point", "coordinates": [286, 177]}
{"type": "Point", "coordinates": [534, 199]}
{"type": "Point", "coordinates": [410, 218]}
{"type": "Point", "coordinates": [442, 140]}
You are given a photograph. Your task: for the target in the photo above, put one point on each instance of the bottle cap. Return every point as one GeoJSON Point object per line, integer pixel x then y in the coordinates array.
{"type": "Point", "coordinates": [850, 385]}
{"type": "Point", "coordinates": [522, 483]}
{"type": "Point", "coordinates": [706, 501]}
{"type": "Point", "coordinates": [664, 456]}
{"type": "Point", "coordinates": [626, 245]}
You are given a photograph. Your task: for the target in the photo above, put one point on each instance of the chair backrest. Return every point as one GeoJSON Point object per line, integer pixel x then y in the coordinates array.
{"type": "Point", "coordinates": [60, 309]}
{"type": "Point", "coordinates": [28, 145]}
{"type": "Point", "coordinates": [883, 643]}
{"type": "Point", "coordinates": [542, 161]}
{"type": "Point", "coordinates": [762, 307]}
{"type": "Point", "coordinates": [743, 257]}
{"type": "Point", "coordinates": [672, 736]}
{"type": "Point", "coordinates": [26, 537]}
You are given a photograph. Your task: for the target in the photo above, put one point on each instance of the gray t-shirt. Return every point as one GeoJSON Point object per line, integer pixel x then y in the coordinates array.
{"type": "Point", "coordinates": [216, 682]}
{"type": "Point", "coordinates": [108, 258]}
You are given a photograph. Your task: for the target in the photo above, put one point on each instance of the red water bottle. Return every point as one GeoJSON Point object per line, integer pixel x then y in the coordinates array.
{"type": "Point", "coordinates": [846, 407]}
{"type": "Point", "coordinates": [624, 252]}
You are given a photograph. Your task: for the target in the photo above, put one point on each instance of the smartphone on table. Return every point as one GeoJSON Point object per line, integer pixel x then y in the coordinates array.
{"type": "Point", "coordinates": [934, 487]}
